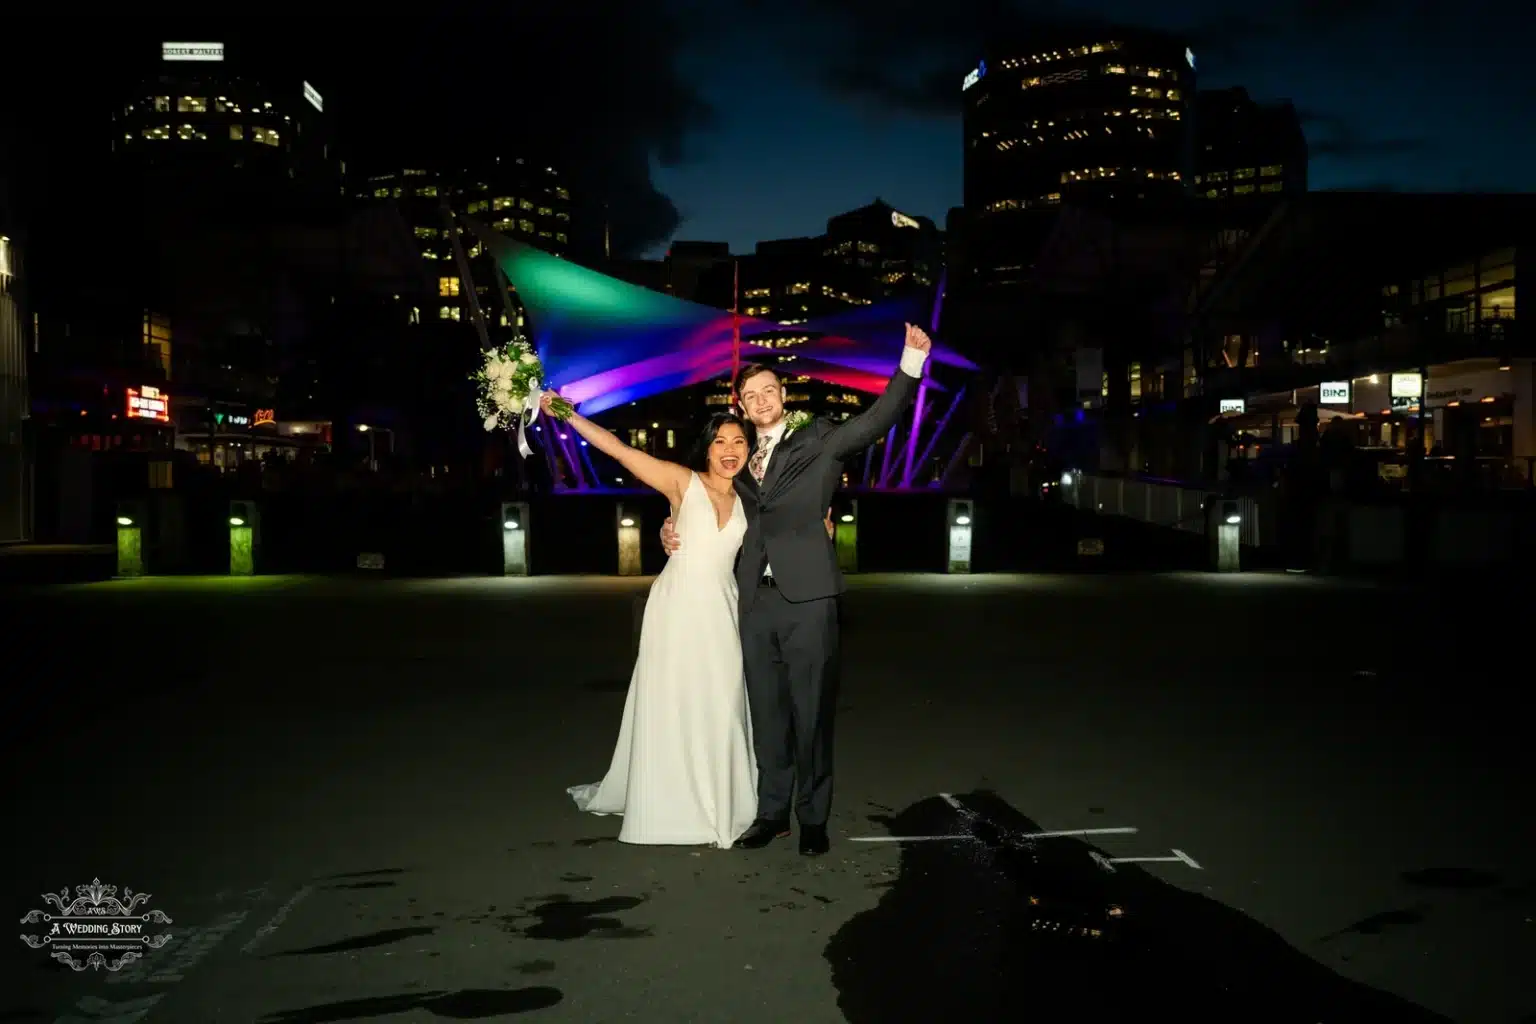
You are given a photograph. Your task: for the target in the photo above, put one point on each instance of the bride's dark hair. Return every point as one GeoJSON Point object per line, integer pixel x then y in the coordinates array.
{"type": "Point", "coordinates": [698, 456]}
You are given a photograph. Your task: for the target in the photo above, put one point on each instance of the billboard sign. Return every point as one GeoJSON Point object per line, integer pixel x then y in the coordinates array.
{"type": "Point", "coordinates": [149, 403]}
{"type": "Point", "coordinates": [313, 95]}
{"type": "Point", "coordinates": [192, 51]}
{"type": "Point", "coordinates": [1334, 392]}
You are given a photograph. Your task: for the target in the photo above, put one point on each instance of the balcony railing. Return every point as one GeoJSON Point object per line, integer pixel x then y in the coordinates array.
{"type": "Point", "coordinates": [1159, 502]}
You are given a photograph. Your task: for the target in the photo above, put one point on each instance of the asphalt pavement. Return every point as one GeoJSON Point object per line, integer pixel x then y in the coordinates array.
{"type": "Point", "coordinates": [1256, 797]}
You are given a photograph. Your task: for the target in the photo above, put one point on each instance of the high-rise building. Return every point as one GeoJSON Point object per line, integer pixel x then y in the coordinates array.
{"type": "Point", "coordinates": [1246, 151]}
{"type": "Point", "coordinates": [1088, 115]}
{"type": "Point", "coordinates": [902, 253]}
{"type": "Point", "coordinates": [518, 197]}
{"type": "Point", "coordinates": [225, 126]}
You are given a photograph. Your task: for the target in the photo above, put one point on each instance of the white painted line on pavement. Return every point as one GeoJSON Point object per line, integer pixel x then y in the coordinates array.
{"type": "Point", "coordinates": [1179, 857]}
{"type": "Point", "coordinates": [276, 920]}
{"type": "Point", "coordinates": [903, 839]}
{"type": "Point", "coordinates": [1061, 833]}
{"type": "Point", "coordinates": [1114, 830]}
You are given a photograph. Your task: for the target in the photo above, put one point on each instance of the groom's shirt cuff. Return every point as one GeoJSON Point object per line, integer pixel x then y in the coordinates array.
{"type": "Point", "coordinates": [912, 360]}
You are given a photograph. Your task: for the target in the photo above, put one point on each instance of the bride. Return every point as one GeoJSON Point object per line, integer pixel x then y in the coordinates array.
{"type": "Point", "coordinates": [683, 772]}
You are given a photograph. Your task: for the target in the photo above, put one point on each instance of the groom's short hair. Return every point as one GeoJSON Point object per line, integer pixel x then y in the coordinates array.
{"type": "Point", "coordinates": [746, 373]}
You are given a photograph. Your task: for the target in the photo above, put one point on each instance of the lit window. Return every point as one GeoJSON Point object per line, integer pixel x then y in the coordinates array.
{"type": "Point", "coordinates": [1244, 172]}
{"type": "Point", "coordinates": [162, 104]}
{"type": "Point", "coordinates": [1270, 186]}
{"type": "Point", "coordinates": [426, 232]}
{"type": "Point", "coordinates": [191, 105]}
{"type": "Point", "coordinates": [236, 133]}
{"type": "Point", "coordinates": [1172, 94]}
{"type": "Point", "coordinates": [478, 206]}
{"type": "Point", "coordinates": [157, 132]}
{"type": "Point", "coordinates": [266, 136]}
{"type": "Point", "coordinates": [560, 236]}
{"type": "Point", "coordinates": [526, 204]}
{"type": "Point", "coordinates": [545, 211]}
{"type": "Point", "coordinates": [562, 192]}
{"type": "Point", "coordinates": [426, 190]}
{"type": "Point", "coordinates": [525, 226]}
{"type": "Point", "coordinates": [447, 287]}
{"type": "Point", "coordinates": [562, 215]}
{"type": "Point", "coordinates": [1114, 69]}
{"type": "Point", "coordinates": [1272, 170]}
{"type": "Point", "coordinates": [1242, 190]}
{"type": "Point", "coordinates": [448, 313]}
{"type": "Point", "coordinates": [189, 133]}
{"type": "Point", "coordinates": [503, 203]}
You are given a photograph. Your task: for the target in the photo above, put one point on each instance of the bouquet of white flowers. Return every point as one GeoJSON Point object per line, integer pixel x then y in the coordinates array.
{"type": "Point", "coordinates": [511, 383]}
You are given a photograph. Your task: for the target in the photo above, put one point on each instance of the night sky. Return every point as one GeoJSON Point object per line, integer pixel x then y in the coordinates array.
{"type": "Point", "coordinates": [741, 120]}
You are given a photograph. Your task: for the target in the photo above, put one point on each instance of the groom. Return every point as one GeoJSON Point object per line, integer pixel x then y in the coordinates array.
{"type": "Point", "coordinates": [789, 581]}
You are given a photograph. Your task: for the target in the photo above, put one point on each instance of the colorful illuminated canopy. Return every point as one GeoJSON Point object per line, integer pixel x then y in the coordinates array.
{"type": "Point", "coordinates": [606, 342]}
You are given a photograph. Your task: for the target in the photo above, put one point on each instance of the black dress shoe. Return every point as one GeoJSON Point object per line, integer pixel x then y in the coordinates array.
{"type": "Point", "coordinates": [813, 840]}
{"type": "Point", "coordinates": [762, 832]}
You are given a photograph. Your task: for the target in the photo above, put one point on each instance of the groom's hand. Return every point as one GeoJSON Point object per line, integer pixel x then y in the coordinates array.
{"type": "Point", "coordinates": [670, 541]}
{"type": "Point", "coordinates": [918, 338]}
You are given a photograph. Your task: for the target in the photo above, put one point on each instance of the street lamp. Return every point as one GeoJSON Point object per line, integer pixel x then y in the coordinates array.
{"type": "Point", "coordinates": [371, 430]}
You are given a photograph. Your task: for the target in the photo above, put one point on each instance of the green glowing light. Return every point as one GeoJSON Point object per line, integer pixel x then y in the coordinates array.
{"type": "Point", "coordinates": [242, 557]}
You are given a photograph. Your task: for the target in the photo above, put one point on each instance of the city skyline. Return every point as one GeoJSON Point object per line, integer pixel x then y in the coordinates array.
{"type": "Point", "coordinates": [741, 124]}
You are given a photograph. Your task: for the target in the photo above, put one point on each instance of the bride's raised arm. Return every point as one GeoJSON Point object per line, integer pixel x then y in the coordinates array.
{"type": "Point", "coordinates": [667, 477]}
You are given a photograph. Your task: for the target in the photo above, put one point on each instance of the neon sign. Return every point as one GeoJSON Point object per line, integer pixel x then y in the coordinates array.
{"type": "Point", "coordinates": [1189, 55]}
{"type": "Point", "coordinates": [149, 403]}
{"type": "Point", "coordinates": [263, 417]}
{"type": "Point", "coordinates": [901, 220]}
{"type": "Point", "coordinates": [311, 94]}
{"type": "Point", "coordinates": [975, 76]}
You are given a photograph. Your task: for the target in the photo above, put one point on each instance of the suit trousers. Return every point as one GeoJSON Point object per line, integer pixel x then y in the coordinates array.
{"type": "Point", "coordinates": [791, 657]}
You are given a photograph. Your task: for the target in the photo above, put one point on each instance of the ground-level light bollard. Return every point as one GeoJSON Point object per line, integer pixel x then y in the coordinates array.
{"type": "Point", "coordinates": [960, 516]}
{"type": "Point", "coordinates": [514, 538]}
{"type": "Point", "coordinates": [130, 538]}
{"type": "Point", "coordinates": [845, 535]}
{"type": "Point", "coordinates": [244, 537]}
{"type": "Point", "coordinates": [1227, 524]}
{"type": "Point", "coordinates": [628, 525]}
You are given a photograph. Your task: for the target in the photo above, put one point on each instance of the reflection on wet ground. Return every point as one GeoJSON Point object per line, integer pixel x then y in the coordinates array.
{"type": "Point", "coordinates": [992, 927]}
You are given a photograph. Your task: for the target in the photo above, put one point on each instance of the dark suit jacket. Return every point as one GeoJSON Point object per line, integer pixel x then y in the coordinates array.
{"type": "Point", "coordinates": [786, 513]}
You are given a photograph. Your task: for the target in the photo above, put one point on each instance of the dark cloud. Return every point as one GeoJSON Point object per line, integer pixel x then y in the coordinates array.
{"type": "Point", "coordinates": [1333, 137]}
{"type": "Point", "coordinates": [591, 84]}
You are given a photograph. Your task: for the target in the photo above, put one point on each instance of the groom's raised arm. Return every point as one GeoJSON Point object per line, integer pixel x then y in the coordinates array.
{"type": "Point", "coordinates": [854, 435]}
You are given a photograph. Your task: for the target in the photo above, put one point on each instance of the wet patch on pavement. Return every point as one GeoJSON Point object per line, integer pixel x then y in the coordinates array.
{"type": "Point", "coordinates": [993, 927]}
{"type": "Point", "coordinates": [1375, 924]}
{"type": "Point", "coordinates": [464, 1004]}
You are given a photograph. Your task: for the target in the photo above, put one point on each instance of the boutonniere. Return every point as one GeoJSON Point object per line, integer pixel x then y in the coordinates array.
{"type": "Point", "coordinates": [796, 420]}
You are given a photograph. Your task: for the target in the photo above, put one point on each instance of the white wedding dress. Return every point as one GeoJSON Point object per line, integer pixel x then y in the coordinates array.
{"type": "Point", "coordinates": [683, 772]}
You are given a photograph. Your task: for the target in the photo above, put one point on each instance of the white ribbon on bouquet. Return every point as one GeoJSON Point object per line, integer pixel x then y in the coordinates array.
{"type": "Point", "coordinates": [529, 413]}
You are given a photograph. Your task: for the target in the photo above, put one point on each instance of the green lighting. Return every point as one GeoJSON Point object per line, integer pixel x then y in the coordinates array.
{"type": "Point", "coordinates": [242, 559]}
{"type": "Point", "coordinates": [130, 549]}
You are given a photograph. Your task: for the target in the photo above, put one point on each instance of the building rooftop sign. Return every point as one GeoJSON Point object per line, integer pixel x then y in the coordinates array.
{"type": "Point", "coordinates": [313, 95]}
{"type": "Point", "coordinates": [192, 51]}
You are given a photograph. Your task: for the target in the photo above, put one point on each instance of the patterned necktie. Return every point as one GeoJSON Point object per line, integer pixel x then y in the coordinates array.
{"type": "Point", "coordinates": [758, 464]}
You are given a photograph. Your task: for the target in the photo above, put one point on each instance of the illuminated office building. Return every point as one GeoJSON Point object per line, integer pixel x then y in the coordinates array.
{"type": "Point", "coordinates": [1247, 152]}
{"type": "Point", "coordinates": [197, 117]}
{"type": "Point", "coordinates": [1088, 116]}
{"type": "Point", "coordinates": [519, 198]}
{"type": "Point", "coordinates": [901, 252]}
